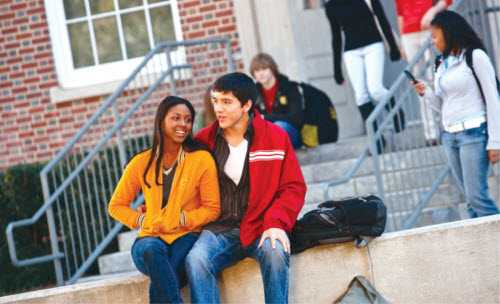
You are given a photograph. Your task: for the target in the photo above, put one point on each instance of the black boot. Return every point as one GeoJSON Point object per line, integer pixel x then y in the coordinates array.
{"type": "Point", "coordinates": [365, 110]}
{"type": "Point", "coordinates": [399, 119]}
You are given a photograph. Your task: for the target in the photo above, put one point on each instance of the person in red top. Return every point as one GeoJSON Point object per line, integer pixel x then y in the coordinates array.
{"type": "Point", "coordinates": [414, 19]}
{"type": "Point", "coordinates": [279, 98]}
{"type": "Point", "coordinates": [262, 192]}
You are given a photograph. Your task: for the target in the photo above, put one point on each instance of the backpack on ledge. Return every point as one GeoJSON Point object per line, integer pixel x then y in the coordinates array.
{"type": "Point", "coordinates": [340, 221]}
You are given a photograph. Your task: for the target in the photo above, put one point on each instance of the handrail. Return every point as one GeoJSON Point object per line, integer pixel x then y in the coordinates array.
{"type": "Point", "coordinates": [88, 157]}
{"type": "Point", "coordinates": [380, 107]}
{"type": "Point", "coordinates": [377, 116]}
{"type": "Point", "coordinates": [72, 176]}
{"type": "Point", "coordinates": [121, 88]}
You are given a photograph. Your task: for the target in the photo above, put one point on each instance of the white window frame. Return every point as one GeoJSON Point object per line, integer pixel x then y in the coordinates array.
{"type": "Point", "coordinates": [70, 77]}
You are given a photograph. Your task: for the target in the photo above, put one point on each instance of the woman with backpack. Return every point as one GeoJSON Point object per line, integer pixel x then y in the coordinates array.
{"type": "Point", "coordinates": [465, 93]}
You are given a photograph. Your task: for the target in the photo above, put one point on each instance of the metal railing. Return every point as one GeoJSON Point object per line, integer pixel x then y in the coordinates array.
{"type": "Point", "coordinates": [408, 168]}
{"type": "Point", "coordinates": [78, 183]}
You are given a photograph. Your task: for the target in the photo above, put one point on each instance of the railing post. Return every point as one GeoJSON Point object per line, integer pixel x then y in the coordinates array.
{"type": "Point", "coordinates": [173, 87]}
{"type": "Point", "coordinates": [375, 157]}
{"type": "Point", "coordinates": [121, 145]}
{"type": "Point", "coordinates": [52, 232]}
{"type": "Point", "coordinates": [231, 66]}
{"type": "Point", "coordinates": [487, 37]}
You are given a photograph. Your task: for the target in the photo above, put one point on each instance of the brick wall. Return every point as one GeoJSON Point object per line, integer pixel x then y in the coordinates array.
{"type": "Point", "coordinates": [32, 128]}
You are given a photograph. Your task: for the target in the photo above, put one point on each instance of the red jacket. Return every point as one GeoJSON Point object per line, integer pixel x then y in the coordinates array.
{"type": "Point", "coordinates": [277, 187]}
{"type": "Point", "coordinates": [412, 12]}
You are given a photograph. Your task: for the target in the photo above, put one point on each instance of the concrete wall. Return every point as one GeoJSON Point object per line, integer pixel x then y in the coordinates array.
{"type": "Point", "coordinates": [450, 263]}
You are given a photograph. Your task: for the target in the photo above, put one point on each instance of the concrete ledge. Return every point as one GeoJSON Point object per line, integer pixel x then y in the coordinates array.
{"type": "Point", "coordinates": [449, 263]}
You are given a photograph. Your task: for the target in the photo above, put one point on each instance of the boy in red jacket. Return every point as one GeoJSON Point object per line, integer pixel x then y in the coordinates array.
{"type": "Point", "coordinates": [262, 191]}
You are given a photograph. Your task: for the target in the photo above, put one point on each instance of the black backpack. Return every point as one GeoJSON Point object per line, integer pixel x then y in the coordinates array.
{"type": "Point", "coordinates": [340, 221]}
{"type": "Point", "coordinates": [320, 118]}
{"type": "Point", "coordinates": [470, 64]}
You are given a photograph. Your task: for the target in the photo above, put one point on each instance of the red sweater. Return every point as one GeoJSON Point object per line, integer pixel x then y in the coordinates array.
{"type": "Point", "coordinates": [412, 12]}
{"type": "Point", "coordinates": [269, 96]}
{"type": "Point", "coordinates": [277, 187]}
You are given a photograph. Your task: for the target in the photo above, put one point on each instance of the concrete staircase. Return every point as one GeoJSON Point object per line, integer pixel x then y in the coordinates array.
{"type": "Point", "coordinates": [405, 179]}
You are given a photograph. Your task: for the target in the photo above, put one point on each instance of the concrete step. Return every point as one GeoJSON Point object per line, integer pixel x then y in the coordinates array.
{"type": "Point", "coordinates": [126, 240]}
{"type": "Point", "coordinates": [100, 277]}
{"type": "Point", "coordinates": [363, 185]}
{"type": "Point", "coordinates": [120, 261]}
{"type": "Point", "coordinates": [411, 138]}
{"type": "Point", "coordinates": [337, 169]}
{"type": "Point", "coordinates": [343, 149]}
{"type": "Point", "coordinates": [407, 199]}
{"type": "Point", "coordinates": [429, 216]}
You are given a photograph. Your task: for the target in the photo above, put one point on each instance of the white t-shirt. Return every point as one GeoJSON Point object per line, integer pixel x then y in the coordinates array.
{"type": "Point", "coordinates": [236, 161]}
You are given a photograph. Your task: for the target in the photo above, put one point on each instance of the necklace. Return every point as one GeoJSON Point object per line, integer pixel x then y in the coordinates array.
{"type": "Point", "coordinates": [167, 171]}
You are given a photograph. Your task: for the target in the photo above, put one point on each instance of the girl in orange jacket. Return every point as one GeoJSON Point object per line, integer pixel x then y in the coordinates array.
{"type": "Point", "coordinates": [178, 179]}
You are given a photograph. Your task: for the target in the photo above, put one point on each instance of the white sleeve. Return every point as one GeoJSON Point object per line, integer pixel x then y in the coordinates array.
{"type": "Point", "coordinates": [486, 75]}
{"type": "Point", "coordinates": [435, 102]}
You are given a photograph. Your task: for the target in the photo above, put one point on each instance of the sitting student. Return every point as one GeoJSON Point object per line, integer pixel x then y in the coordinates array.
{"type": "Point", "coordinates": [262, 192]}
{"type": "Point", "coordinates": [179, 181]}
{"type": "Point", "coordinates": [279, 99]}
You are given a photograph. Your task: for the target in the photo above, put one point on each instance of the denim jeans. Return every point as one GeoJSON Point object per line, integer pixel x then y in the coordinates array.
{"type": "Point", "coordinates": [293, 133]}
{"type": "Point", "coordinates": [468, 159]}
{"type": "Point", "coordinates": [215, 251]}
{"type": "Point", "coordinates": [162, 263]}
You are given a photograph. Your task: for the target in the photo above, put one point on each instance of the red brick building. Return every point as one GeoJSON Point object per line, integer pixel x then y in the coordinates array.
{"type": "Point", "coordinates": [59, 60]}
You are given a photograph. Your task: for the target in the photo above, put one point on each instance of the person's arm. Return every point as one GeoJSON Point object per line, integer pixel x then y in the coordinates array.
{"type": "Point", "coordinates": [209, 208]}
{"type": "Point", "coordinates": [378, 10]}
{"type": "Point", "coordinates": [290, 196]}
{"type": "Point", "coordinates": [431, 13]}
{"type": "Point", "coordinates": [428, 95]}
{"type": "Point", "coordinates": [295, 115]}
{"type": "Point", "coordinates": [336, 45]}
{"type": "Point", "coordinates": [486, 76]}
{"type": "Point", "coordinates": [125, 192]}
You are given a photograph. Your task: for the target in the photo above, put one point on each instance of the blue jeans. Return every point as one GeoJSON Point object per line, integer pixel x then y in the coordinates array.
{"type": "Point", "coordinates": [293, 133]}
{"type": "Point", "coordinates": [468, 159]}
{"type": "Point", "coordinates": [162, 263]}
{"type": "Point", "coordinates": [215, 251]}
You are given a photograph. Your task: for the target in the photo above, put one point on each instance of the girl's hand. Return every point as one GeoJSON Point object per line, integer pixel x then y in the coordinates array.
{"type": "Point", "coordinates": [494, 156]}
{"type": "Point", "coordinates": [419, 87]}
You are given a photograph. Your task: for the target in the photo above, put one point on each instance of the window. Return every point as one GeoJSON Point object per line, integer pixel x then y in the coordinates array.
{"type": "Point", "coordinates": [98, 41]}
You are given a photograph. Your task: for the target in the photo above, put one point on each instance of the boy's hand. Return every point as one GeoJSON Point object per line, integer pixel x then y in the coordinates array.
{"type": "Point", "coordinates": [274, 234]}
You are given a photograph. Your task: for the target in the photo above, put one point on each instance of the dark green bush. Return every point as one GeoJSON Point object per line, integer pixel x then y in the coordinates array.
{"type": "Point", "coordinates": [20, 197]}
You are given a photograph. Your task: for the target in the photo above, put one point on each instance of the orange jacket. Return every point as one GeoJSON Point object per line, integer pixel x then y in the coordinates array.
{"type": "Point", "coordinates": [195, 190]}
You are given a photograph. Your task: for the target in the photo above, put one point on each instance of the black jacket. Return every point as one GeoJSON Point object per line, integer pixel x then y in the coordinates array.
{"type": "Point", "coordinates": [287, 103]}
{"type": "Point", "coordinates": [355, 19]}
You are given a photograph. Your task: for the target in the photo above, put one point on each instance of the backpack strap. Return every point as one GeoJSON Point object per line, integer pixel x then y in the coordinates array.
{"type": "Point", "coordinates": [300, 87]}
{"type": "Point", "coordinates": [468, 60]}
{"type": "Point", "coordinates": [437, 62]}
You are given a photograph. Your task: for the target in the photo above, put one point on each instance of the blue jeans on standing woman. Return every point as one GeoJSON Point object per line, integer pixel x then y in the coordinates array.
{"type": "Point", "coordinates": [163, 263]}
{"type": "Point", "coordinates": [468, 159]}
{"type": "Point", "coordinates": [215, 251]}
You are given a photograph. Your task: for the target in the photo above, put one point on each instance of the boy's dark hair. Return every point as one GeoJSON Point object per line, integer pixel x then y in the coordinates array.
{"type": "Point", "coordinates": [457, 32]}
{"type": "Point", "coordinates": [239, 84]}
